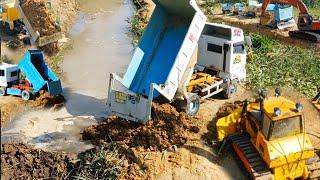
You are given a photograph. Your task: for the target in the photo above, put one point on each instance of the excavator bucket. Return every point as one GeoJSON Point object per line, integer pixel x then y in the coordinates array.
{"type": "Point", "coordinates": [228, 125]}
{"type": "Point", "coordinates": [266, 19]}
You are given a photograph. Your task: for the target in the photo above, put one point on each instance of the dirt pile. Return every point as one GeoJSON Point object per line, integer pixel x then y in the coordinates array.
{"type": "Point", "coordinates": [42, 21]}
{"type": "Point", "coordinates": [167, 128]}
{"type": "Point", "coordinates": [228, 108]}
{"type": "Point", "coordinates": [23, 162]}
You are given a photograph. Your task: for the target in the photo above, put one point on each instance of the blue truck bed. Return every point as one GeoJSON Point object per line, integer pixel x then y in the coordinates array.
{"type": "Point", "coordinates": [39, 74]}
{"type": "Point", "coordinates": [159, 47]}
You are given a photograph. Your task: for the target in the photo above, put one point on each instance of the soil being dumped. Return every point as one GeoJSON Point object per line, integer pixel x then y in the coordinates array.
{"type": "Point", "coordinates": [168, 128]}
{"type": "Point", "coordinates": [24, 162]}
{"type": "Point", "coordinates": [42, 21]}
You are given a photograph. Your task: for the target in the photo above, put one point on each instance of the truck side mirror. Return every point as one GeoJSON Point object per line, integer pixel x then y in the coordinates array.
{"type": "Point", "coordinates": [248, 41]}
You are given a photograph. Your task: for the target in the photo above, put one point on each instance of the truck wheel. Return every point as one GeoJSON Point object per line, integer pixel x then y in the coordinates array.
{"type": "Point", "coordinates": [3, 91]}
{"type": "Point", "coordinates": [231, 90]}
{"type": "Point", "coordinates": [26, 95]}
{"type": "Point", "coordinates": [191, 105]}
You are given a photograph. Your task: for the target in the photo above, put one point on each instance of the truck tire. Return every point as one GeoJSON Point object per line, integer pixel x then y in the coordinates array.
{"type": "Point", "coordinates": [26, 95]}
{"type": "Point", "coordinates": [231, 90]}
{"type": "Point", "coordinates": [191, 105]}
{"type": "Point", "coordinates": [3, 91]}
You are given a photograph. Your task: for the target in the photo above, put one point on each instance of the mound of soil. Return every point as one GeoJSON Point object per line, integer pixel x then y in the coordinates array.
{"type": "Point", "coordinates": [42, 21]}
{"type": "Point", "coordinates": [22, 161]}
{"type": "Point", "coordinates": [167, 128]}
{"type": "Point", "coordinates": [228, 108]}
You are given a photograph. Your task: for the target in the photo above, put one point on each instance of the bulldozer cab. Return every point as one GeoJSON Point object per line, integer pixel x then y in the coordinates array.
{"type": "Point", "coordinates": [279, 118]}
{"type": "Point", "coordinates": [281, 128]}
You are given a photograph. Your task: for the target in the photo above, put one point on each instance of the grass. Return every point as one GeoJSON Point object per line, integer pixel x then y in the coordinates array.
{"type": "Point", "coordinates": [276, 64]}
{"type": "Point", "coordinates": [101, 163]}
{"type": "Point", "coordinates": [56, 60]}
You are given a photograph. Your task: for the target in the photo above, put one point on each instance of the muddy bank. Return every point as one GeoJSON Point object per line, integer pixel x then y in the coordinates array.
{"type": "Point", "coordinates": [167, 129]}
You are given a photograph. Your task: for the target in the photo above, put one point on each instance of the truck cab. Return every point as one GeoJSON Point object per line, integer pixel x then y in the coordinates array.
{"type": "Point", "coordinates": [222, 49]}
{"type": "Point", "coordinates": [9, 74]}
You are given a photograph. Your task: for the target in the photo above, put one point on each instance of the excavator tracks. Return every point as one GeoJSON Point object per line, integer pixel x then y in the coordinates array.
{"type": "Point", "coordinates": [249, 157]}
{"type": "Point", "coordinates": [310, 36]}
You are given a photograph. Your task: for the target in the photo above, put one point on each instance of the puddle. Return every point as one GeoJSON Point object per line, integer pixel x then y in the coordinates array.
{"type": "Point", "coordinates": [101, 46]}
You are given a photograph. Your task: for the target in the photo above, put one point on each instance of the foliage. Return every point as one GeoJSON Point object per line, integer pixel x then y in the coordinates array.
{"type": "Point", "coordinates": [275, 64]}
{"type": "Point", "coordinates": [100, 163]}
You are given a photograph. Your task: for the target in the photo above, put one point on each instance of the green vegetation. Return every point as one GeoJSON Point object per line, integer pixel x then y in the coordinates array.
{"type": "Point", "coordinates": [139, 21]}
{"type": "Point", "coordinates": [55, 61]}
{"type": "Point", "coordinates": [100, 163]}
{"type": "Point", "coordinates": [274, 64]}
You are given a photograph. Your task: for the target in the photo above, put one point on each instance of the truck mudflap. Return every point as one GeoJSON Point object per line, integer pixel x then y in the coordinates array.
{"type": "Point", "coordinates": [127, 104]}
{"type": "Point", "coordinates": [54, 88]}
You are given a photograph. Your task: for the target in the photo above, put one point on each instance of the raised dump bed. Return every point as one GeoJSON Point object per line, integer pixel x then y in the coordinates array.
{"type": "Point", "coordinates": [29, 77]}
{"type": "Point", "coordinates": [160, 60]}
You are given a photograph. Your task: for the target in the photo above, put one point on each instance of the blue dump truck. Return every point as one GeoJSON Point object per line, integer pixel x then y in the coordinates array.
{"type": "Point", "coordinates": [160, 61]}
{"type": "Point", "coordinates": [29, 77]}
{"type": "Point", "coordinates": [282, 16]}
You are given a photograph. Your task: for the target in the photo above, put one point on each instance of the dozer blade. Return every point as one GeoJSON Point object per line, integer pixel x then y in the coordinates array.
{"type": "Point", "coordinates": [305, 35]}
{"type": "Point", "coordinates": [228, 125]}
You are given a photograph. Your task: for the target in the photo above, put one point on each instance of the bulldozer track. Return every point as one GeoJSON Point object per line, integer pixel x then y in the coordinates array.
{"type": "Point", "coordinates": [314, 169]}
{"type": "Point", "coordinates": [249, 157]}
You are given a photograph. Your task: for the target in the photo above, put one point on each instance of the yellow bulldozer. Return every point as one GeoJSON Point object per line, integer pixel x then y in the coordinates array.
{"type": "Point", "coordinates": [269, 138]}
{"type": "Point", "coordinates": [316, 101]}
{"type": "Point", "coordinates": [14, 20]}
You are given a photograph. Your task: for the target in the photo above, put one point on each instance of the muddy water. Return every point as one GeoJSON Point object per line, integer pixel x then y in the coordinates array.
{"type": "Point", "coordinates": [100, 46]}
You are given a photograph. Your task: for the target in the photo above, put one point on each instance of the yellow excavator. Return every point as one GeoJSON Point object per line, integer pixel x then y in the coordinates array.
{"type": "Point", "coordinates": [316, 101]}
{"type": "Point", "coordinates": [13, 19]}
{"type": "Point", "coordinates": [269, 138]}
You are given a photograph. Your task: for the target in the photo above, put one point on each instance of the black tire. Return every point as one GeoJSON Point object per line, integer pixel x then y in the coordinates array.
{"type": "Point", "coordinates": [191, 105]}
{"type": "Point", "coordinates": [3, 91]}
{"type": "Point", "coordinates": [26, 95]}
{"type": "Point", "coordinates": [232, 89]}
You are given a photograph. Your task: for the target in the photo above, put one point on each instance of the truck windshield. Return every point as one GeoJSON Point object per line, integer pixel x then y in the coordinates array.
{"type": "Point", "coordinates": [286, 127]}
{"type": "Point", "coordinates": [238, 48]}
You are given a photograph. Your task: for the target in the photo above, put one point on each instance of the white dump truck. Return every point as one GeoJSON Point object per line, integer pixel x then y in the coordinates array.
{"type": "Point", "coordinates": [166, 64]}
